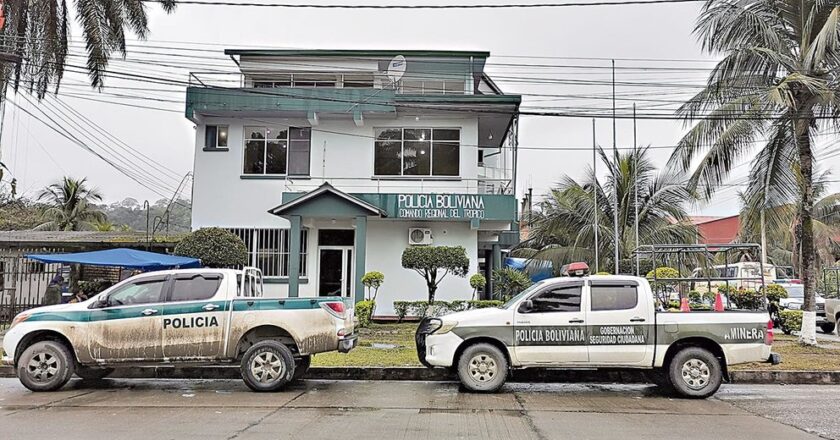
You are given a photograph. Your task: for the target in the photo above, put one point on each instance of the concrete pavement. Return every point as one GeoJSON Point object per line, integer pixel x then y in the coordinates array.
{"type": "Point", "coordinates": [226, 409]}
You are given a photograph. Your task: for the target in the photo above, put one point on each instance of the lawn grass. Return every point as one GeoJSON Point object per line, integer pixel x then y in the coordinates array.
{"type": "Point", "coordinates": [404, 354]}
{"type": "Point", "coordinates": [824, 357]}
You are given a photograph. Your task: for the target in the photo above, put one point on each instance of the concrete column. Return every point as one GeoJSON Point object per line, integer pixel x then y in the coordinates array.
{"type": "Point", "coordinates": [488, 274]}
{"type": "Point", "coordinates": [294, 256]}
{"type": "Point", "coordinates": [497, 257]}
{"type": "Point", "coordinates": [360, 241]}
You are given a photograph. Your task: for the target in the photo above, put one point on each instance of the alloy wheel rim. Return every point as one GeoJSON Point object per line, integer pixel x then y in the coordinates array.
{"type": "Point", "coordinates": [267, 367]}
{"type": "Point", "coordinates": [483, 367]}
{"type": "Point", "coordinates": [43, 366]}
{"type": "Point", "coordinates": [696, 374]}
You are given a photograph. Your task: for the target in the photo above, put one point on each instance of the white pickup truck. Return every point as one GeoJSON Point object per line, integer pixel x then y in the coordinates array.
{"type": "Point", "coordinates": [594, 322]}
{"type": "Point", "coordinates": [199, 317]}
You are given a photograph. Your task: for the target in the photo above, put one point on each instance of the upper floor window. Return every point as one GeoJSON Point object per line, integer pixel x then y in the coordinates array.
{"type": "Point", "coordinates": [304, 80]}
{"type": "Point", "coordinates": [432, 86]}
{"type": "Point", "coordinates": [417, 152]}
{"type": "Point", "coordinates": [277, 150]}
{"type": "Point", "coordinates": [215, 136]}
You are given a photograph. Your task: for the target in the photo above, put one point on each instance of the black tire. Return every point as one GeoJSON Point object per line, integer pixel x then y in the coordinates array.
{"type": "Point", "coordinates": [267, 366]}
{"type": "Point", "coordinates": [827, 328]}
{"type": "Point", "coordinates": [695, 373]}
{"type": "Point", "coordinates": [46, 366]}
{"type": "Point", "coordinates": [88, 373]}
{"type": "Point", "coordinates": [301, 367]}
{"type": "Point", "coordinates": [483, 368]}
{"type": "Point", "coordinates": [662, 380]}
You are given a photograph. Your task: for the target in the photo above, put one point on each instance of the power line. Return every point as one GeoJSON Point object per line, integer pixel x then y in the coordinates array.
{"type": "Point", "coordinates": [452, 6]}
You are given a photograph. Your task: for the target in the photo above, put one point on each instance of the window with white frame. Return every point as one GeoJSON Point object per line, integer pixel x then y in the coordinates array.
{"type": "Point", "coordinates": [268, 249]}
{"type": "Point", "coordinates": [306, 80]}
{"type": "Point", "coordinates": [215, 137]}
{"type": "Point", "coordinates": [417, 152]}
{"type": "Point", "coordinates": [277, 150]}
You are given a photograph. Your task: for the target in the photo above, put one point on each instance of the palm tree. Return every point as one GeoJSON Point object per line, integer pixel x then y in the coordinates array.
{"type": "Point", "coordinates": [783, 225]}
{"type": "Point", "coordinates": [38, 31]}
{"type": "Point", "coordinates": [562, 228]}
{"type": "Point", "coordinates": [778, 84]}
{"type": "Point", "coordinates": [70, 206]}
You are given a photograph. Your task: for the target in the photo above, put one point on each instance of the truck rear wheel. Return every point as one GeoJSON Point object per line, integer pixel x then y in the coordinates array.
{"type": "Point", "coordinates": [267, 366]}
{"type": "Point", "coordinates": [301, 367]}
{"type": "Point", "coordinates": [827, 328]}
{"type": "Point", "coordinates": [45, 366]}
{"type": "Point", "coordinates": [482, 368]}
{"type": "Point", "coordinates": [695, 373]}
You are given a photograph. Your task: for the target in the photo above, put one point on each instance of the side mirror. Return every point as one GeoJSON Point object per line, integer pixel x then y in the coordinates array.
{"type": "Point", "coordinates": [101, 302]}
{"type": "Point", "coordinates": [526, 306]}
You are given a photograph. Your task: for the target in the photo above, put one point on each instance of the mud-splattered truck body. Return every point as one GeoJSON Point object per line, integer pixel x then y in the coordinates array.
{"type": "Point", "coordinates": [593, 322]}
{"type": "Point", "coordinates": [197, 316]}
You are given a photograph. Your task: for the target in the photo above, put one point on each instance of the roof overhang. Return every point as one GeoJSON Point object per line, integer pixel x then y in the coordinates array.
{"type": "Point", "coordinates": [327, 201]}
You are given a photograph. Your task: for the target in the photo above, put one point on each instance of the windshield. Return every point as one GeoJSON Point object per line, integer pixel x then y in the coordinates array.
{"type": "Point", "coordinates": [522, 294]}
{"type": "Point", "coordinates": [796, 291]}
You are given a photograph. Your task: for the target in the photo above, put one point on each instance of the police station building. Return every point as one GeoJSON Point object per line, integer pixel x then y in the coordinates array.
{"type": "Point", "coordinates": [328, 164]}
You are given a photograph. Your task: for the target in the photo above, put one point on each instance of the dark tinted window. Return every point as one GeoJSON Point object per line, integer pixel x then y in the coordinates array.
{"type": "Point", "coordinates": [143, 291]}
{"type": "Point", "coordinates": [617, 297]}
{"type": "Point", "coordinates": [195, 287]}
{"type": "Point", "coordinates": [558, 299]}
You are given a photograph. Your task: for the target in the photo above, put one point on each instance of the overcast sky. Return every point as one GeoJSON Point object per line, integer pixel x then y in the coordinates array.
{"type": "Point", "coordinates": [38, 156]}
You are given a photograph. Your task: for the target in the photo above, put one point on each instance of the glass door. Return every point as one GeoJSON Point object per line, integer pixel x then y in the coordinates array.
{"type": "Point", "coordinates": [335, 268]}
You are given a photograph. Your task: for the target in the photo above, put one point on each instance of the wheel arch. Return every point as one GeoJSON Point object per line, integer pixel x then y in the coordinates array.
{"type": "Point", "coordinates": [262, 333]}
{"type": "Point", "coordinates": [43, 335]}
{"type": "Point", "coordinates": [698, 341]}
{"type": "Point", "coordinates": [481, 340]}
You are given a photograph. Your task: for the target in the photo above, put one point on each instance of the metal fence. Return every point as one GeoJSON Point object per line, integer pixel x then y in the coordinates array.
{"type": "Point", "coordinates": [23, 285]}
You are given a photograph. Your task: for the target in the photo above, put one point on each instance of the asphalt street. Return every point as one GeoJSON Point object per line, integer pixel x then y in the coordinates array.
{"type": "Point", "coordinates": [226, 409]}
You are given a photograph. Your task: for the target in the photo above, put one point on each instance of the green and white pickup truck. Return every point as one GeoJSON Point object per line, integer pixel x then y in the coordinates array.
{"type": "Point", "coordinates": [594, 322]}
{"type": "Point", "coordinates": [179, 317]}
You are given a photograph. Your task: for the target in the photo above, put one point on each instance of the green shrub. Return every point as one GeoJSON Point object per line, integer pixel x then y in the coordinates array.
{"type": "Point", "coordinates": [483, 304]}
{"type": "Point", "coordinates": [695, 297]}
{"type": "Point", "coordinates": [746, 299]}
{"type": "Point", "coordinates": [791, 320]}
{"type": "Point", "coordinates": [477, 282]}
{"type": "Point", "coordinates": [775, 293]}
{"type": "Point", "coordinates": [93, 287]}
{"type": "Point", "coordinates": [400, 309]}
{"type": "Point", "coordinates": [458, 305]}
{"type": "Point", "coordinates": [364, 312]}
{"type": "Point", "coordinates": [508, 282]}
{"type": "Point", "coordinates": [434, 263]}
{"type": "Point", "coordinates": [373, 280]}
{"type": "Point", "coordinates": [215, 247]}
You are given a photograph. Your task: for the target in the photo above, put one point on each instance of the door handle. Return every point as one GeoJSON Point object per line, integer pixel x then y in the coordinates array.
{"type": "Point", "coordinates": [523, 322]}
{"type": "Point", "coordinates": [149, 312]}
{"type": "Point", "coordinates": [575, 321]}
{"type": "Point", "coordinates": [637, 319]}
{"type": "Point", "coordinates": [210, 307]}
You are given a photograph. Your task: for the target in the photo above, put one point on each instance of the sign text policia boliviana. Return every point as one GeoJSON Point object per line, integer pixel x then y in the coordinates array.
{"type": "Point", "coordinates": [440, 206]}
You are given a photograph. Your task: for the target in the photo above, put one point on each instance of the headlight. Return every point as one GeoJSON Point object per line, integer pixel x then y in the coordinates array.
{"type": "Point", "coordinates": [446, 327]}
{"type": "Point", "coordinates": [19, 318]}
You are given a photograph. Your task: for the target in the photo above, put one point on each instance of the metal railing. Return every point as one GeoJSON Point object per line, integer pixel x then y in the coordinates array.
{"type": "Point", "coordinates": [23, 285]}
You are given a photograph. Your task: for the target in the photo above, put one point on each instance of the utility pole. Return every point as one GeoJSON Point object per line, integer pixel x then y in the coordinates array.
{"type": "Point", "coordinates": [636, 189]}
{"type": "Point", "coordinates": [615, 176]}
{"type": "Point", "coordinates": [595, 190]}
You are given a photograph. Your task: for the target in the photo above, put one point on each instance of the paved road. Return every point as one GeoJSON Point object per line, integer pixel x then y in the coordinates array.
{"type": "Point", "coordinates": [179, 409]}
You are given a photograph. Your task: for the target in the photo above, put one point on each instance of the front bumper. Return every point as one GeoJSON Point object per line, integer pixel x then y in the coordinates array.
{"type": "Point", "coordinates": [348, 343]}
{"type": "Point", "coordinates": [435, 350]}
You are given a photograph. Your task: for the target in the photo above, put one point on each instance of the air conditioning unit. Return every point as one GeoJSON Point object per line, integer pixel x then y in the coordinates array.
{"type": "Point", "coordinates": [419, 236]}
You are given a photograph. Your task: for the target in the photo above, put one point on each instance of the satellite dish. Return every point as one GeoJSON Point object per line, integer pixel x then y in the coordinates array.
{"type": "Point", "coordinates": [396, 68]}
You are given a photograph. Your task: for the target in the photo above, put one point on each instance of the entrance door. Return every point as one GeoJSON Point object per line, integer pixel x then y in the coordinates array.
{"type": "Point", "coordinates": [335, 270]}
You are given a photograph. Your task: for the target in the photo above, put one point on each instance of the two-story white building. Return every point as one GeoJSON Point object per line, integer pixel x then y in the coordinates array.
{"type": "Point", "coordinates": [329, 163]}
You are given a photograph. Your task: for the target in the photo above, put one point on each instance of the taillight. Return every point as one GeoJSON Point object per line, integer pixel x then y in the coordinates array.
{"type": "Point", "coordinates": [768, 335]}
{"type": "Point", "coordinates": [335, 308]}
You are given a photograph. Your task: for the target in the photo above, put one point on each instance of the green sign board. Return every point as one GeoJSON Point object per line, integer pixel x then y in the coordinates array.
{"type": "Point", "coordinates": [453, 207]}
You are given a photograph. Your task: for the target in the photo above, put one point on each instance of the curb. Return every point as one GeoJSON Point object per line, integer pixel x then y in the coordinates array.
{"type": "Point", "coordinates": [437, 375]}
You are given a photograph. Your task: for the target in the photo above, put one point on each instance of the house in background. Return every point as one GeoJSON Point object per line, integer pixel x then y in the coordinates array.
{"type": "Point", "coordinates": [716, 230]}
{"type": "Point", "coordinates": [329, 163]}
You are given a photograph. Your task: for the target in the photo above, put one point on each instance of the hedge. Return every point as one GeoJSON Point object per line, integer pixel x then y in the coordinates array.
{"type": "Point", "coordinates": [422, 309]}
{"type": "Point", "coordinates": [791, 321]}
{"type": "Point", "coordinates": [364, 310]}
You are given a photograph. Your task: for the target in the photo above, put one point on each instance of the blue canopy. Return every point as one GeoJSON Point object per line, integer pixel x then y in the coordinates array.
{"type": "Point", "coordinates": [121, 257]}
{"type": "Point", "coordinates": [541, 269]}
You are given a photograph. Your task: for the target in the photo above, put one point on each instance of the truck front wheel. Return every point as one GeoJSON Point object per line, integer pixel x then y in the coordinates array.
{"type": "Point", "coordinates": [267, 366]}
{"type": "Point", "coordinates": [45, 366]}
{"type": "Point", "coordinates": [695, 373]}
{"type": "Point", "coordinates": [482, 368]}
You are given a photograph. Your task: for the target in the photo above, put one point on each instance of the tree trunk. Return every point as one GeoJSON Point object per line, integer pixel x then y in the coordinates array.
{"type": "Point", "coordinates": [432, 289]}
{"type": "Point", "coordinates": [808, 334]}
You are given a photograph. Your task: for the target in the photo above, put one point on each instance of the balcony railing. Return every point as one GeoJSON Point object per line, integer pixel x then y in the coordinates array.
{"type": "Point", "coordinates": [401, 185]}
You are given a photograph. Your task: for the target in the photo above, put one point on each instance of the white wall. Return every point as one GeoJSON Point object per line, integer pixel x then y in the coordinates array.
{"type": "Point", "coordinates": [341, 153]}
{"type": "Point", "coordinates": [386, 240]}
